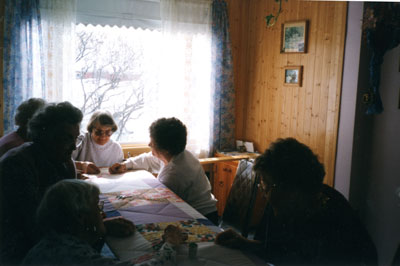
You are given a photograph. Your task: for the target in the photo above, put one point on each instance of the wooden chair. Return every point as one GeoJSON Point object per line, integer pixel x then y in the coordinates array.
{"type": "Point", "coordinates": [240, 202]}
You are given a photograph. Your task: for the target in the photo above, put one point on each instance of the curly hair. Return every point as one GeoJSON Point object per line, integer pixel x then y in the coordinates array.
{"type": "Point", "coordinates": [63, 204]}
{"type": "Point", "coordinates": [169, 134]}
{"type": "Point", "coordinates": [51, 117]}
{"type": "Point", "coordinates": [27, 109]}
{"type": "Point", "coordinates": [104, 118]}
{"type": "Point", "coordinates": [292, 164]}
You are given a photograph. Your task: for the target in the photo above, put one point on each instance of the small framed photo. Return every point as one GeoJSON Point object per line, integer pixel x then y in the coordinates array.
{"type": "Point", "coordinates": [294, 37]}
{"type": "Point", "coordinates": [293, 75]}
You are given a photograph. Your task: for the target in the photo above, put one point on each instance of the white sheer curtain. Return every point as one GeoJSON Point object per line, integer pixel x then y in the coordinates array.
{"type": "Point", "coordinates": [58, 22]}
{"type": "Point", "coordinates": [171, 64]}
{"type": "Point", "coordinates": [186, 68]}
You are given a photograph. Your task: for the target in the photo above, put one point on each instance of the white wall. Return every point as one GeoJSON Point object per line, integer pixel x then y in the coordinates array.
{"type": "Point", "coordinates": [348, 98]}
{"type": "Point", "coordinates": [382, 209]}
{"type": "Point", "coordinates": [368, 155]}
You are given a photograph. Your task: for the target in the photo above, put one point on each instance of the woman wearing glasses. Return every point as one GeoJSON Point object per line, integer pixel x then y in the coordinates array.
{"type": "Point", "coordinates": [71, 225]}
{"type": "Point", "coordinates": [95, 148]}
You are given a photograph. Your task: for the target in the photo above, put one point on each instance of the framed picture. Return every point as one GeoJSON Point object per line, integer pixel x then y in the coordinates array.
{"type": "Point", "coordinates": [293, 75]}
{"type": "Point", "coordinates": [294, 37]}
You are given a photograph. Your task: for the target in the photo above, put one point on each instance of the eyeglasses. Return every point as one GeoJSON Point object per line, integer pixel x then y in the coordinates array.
{"type": "Point", "coordinates": [267, 187]}
{"type": "Point", "coordinates": [100, 133]}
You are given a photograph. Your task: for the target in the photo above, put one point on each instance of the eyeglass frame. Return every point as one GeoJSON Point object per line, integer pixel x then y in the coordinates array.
{"type": "Point", "coordinates": [99, 132]}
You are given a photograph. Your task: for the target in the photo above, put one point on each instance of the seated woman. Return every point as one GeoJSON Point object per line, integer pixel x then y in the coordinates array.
{"type": "Point", "coordinates": [95, 148]}
{"type": "Point", "coordinates": [305, 222]}
{"type": "Point", "coordinates": [25, 112]}
{"type": "Point", "coordinates": [72, 224]}
{"type": "Point", "coordinates": [178, 169]}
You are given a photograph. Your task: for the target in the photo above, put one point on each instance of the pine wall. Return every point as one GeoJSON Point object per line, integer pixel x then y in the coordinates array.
{"type": "Point", "coordinates": [266, 109]}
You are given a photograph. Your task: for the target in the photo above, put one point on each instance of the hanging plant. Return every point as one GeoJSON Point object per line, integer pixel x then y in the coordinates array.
{"type": "Point", "coordinates": [272, 19]}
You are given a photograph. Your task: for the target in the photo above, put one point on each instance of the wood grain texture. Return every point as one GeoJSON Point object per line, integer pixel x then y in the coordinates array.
{"type": "Point", "coordinates": [266, 109]}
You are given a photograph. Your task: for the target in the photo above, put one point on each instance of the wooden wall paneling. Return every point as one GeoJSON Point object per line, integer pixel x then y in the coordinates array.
{"type": "Point", "coordinates": [272, 110]}
{"type": "Point", "coordinates": [338, 40]}
{"type": "Point", "coordinates": [237, 12]}
{"type": "Point", "coordinates": [324, 90]}
{"type": "Point", "coordinates": [252, 112]}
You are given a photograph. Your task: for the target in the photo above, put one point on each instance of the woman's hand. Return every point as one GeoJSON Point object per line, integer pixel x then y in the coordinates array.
{"type": "Point", "coordinates": [119, 227]}
{"type": "Point", "coordinates": [174, 235]}
{"type": "Point", "coordinates": [117, 168]}
{"type": "Point", "coordinates": [230, 239]}
{"type": "Point", "coordinates": [91, 169]}
{"type": "Point", "coordinates": [86, 168]}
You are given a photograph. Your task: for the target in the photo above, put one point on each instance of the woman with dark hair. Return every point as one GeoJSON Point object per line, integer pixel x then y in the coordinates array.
{"type": "Point", "coordinates": [25, 111]}
{"type": "Point", "coordinates": [305, 222]}
{"type": "Point", "coordinates": [177, 168]}
{"type": "Point", "coordinates": [28, 170]}
{"type": "Point", "coordinates": [71, 223]}
{"type": "Point", "coordinates": [96, 148]}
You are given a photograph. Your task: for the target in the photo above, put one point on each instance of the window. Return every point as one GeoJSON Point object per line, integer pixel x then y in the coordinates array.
{"type": "Point", "coordinates": [124, 63]}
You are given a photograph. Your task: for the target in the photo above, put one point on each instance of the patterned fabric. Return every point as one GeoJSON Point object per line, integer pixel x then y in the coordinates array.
{"type": "Point", "coordinates": [22, 34]}
{"type": "Point", "coordinates": [224, 91]}
{"type": "Point", "coordinates": [196, 231]}
{"type": "Point", "coordinates": [141, 197]}
{"type": "Point", "coordinates": [56, 249]}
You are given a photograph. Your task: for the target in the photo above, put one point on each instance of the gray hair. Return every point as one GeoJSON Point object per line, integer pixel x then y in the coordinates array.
{"type": "Point", "coordinates": [27, 109]}
{"type": "Point", "coordinates": [104, 118]}
{"type": "Point", "coordinates": [44, 122]}
{"type": "Point", "coordinates": [63, 204]}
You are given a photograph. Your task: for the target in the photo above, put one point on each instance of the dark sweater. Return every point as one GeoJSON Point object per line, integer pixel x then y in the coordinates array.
{"type": "Point", "coordinates": [332, 236]}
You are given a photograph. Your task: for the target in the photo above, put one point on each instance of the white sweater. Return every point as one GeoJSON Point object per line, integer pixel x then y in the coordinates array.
{"type": "Point", "coordinates": [183, 175]}
{"type": "Point", "coordinates": [101, 155]}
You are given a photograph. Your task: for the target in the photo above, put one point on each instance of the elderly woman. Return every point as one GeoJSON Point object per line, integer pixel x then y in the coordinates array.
{"type": "Point", "coordinates": [25, 111]}
{"type": "Point", "coordinates": [95, 148]}
{"type": "Point", "coordinates": [70, 220]}
{"type": "Point", "coordinates": [305, 222]}
{"type": "Point", "coordinates": [177, 168]}
{"type": "Point", "coordinates": [28, 170]}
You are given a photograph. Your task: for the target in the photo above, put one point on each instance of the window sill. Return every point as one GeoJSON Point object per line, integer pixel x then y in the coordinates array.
{"type": "Point", "coordinates": [134, 149]}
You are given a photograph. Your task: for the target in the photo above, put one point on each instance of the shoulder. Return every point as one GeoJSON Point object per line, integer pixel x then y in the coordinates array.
{"type": "Point", "coordinates": [186, 158]}
{"type": "Point", "coordinates": [62, 249]}
{"type": "Point", "coordinates": [185, 164]}
{"type": "Point", "coordinates": [25, 151]}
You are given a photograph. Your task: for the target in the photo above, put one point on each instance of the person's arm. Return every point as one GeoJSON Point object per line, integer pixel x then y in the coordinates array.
{"type": "Point", "coordinates": [144, 161]}
{"type": "Point", "coordinates": [231, 239]}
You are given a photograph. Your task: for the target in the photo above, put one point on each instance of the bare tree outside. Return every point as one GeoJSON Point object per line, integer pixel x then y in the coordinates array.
{"type": "Point", "coordinates": [109, 74]}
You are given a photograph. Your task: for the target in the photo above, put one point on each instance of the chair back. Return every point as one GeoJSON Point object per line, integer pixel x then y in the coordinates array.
{"type": "Point", "coordinates": [241, 198]}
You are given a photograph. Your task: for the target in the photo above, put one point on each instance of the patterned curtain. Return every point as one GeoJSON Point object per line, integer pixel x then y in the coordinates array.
{"type": "Point", "coordinates": [224, 91]}
{"type": "Point", "coordinates": [22, 39]}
